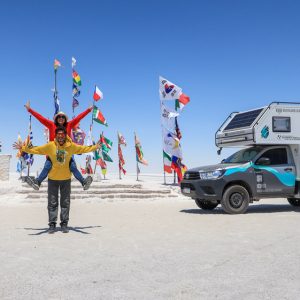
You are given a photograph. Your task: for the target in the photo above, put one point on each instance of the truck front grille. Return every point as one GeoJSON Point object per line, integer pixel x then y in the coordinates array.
{"type": "Point", "coordinates": [191, 175]}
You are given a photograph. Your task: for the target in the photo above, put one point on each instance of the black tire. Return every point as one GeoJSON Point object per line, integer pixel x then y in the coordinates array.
{"type": "Point", "coordinates": [294, 201]}
{"type": "Point", "coordinates": [206, 205]}
{"type": "Point", "coordinates": [235, 200]}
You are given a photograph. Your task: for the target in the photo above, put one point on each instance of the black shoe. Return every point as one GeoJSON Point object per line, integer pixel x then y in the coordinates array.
{"type": "Point", "coordinates": [51, 228]}
{"type": "Point", "coordinates": [33, 183]}
{"type": "Point", "coordinates": [87, 182]}
{"type": "Point", "coordinates": [64, 228]}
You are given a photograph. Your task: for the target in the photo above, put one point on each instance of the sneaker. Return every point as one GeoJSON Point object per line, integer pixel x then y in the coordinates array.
{"type": "Point", "coordinates": [64, 228]}
{"type": "Point", "coordinates": [33, 183]}
{"type": "Point", "coordinates": [51, 228]}
{"type": "Point", "coordinates": [87, 182]}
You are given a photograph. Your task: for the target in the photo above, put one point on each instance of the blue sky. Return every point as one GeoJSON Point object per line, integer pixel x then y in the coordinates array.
{"type": "Point", "coordinates": [226, 55]}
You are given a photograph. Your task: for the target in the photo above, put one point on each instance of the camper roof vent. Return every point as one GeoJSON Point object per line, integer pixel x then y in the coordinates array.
{"type": "Point", "coordinates": [244, 119]}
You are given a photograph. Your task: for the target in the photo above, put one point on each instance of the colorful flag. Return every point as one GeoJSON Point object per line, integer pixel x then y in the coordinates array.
{"type": "Point", "coordinates": [121, 159]}
{"type": "Point", "coordinates": [75, 90]}
{"type": "Point", "coordinates": [139, 152]}
{"type": "Point", "coordinates": [105, 143]}
{"type": "Point", "coordinates": [168, 90]}
{"type": "Point", "coordinates": [76, 78]}
{"type": "Point", "coordinates": [167, 162]}
{"type": "Point", "coordinates": [88, 166]}
{"type": "Point", "coordinates": [73, 62]}
{"type": "Point", "coordinates": [56, 103]}
{"type": "Point", "coordinates": [57, 64]}
{"type": "Point", "coordinates": [96, 155]}
{"type": "Point", "coordinates": [98, 95]}
{"type": "Point", "coordinates": [179, 167]}
{"type": "Point", "coordinates": [100, 162]}
{"type": "Point", "coordinates": [106, 157]}
{"type": "Point", "coordinates": [168, 117]}
{"type": "Point", "coordinates": [171, 143]}
{"type": "Point", "coordinates": [182, 101]}
{"type": "Point", "coordinates": [78, 136]}
{"type": "Point", "coordinates": [98, 117]}
{"type": "Point", "coordinates": [177, 130]}
{"type": "Point", "coordinates": [121, 139]}
{"type": "Point", "coordinates": [75, 103]}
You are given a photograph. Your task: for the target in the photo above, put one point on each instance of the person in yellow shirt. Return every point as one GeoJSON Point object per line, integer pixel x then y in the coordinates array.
{"type": "Point", "coordinates": [60, 152]}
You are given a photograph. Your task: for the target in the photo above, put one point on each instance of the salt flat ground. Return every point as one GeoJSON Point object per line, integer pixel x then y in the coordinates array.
{"type": "Point", "coordinates": [150, 249]}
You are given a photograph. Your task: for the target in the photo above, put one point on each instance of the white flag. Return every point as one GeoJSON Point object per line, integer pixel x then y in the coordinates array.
{"type": "Point", "coordinates": [73, 62]}
{"type": "Point", "coordinates": [168, 90]}
{"type": "Point", "coordinates": [171, 143]}
{"type": "Point", "coordinates": [168, 117]}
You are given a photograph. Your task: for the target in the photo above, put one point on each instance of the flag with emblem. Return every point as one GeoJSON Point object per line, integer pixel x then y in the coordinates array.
{"type": "Point", "coordinates": [168, 90]}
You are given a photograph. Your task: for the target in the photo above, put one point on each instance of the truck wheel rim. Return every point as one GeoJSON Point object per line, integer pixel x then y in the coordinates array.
{"type": "Point", "coordinates": [236, 200]}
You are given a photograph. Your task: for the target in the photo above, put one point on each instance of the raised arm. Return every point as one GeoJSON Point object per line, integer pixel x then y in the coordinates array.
{"type": "Point", "coordinates": [42, 119]}
{"type": "Point", "coordinates": [78, 149]}
{"type": "Point", "coordinates": [42, 150]}
{"type": "Point", "coordinates": [76, 120]}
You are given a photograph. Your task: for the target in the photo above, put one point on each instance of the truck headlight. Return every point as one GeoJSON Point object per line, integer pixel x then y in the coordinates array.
{"type": "Point", "coordinates": [212, 174]}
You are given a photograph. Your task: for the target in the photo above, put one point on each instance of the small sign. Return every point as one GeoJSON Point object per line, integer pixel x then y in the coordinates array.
{"type": "Point", "coordinates": [186, 190]}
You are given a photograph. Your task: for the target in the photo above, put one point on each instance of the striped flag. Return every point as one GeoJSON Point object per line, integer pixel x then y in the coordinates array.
{"type": "Point", "coordinates": [76, 78]}
{"type": "Point", "coordinates": [98, 95]}
{"type": "Point", "coordinates": [98, 116]}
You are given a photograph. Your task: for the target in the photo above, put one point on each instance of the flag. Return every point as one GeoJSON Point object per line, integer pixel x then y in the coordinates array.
{"type": "Point", "coordinates": [121, 159]}
{"type": "Point", "coordinates": [168, 117]}
{"type": "Point", "coordinates": [88, 167]}
{"type": "Point", "coordinates": [83, 171]}
{"type": "Point", "coordinates": [168, 90]}
{"type": "Point", "coordinates": [75, 90]}
{"type": "Point", "coordinates": [171, 143]}
{"type": "Point", "coordinates": [106, 157]}
{"type": "Point", "coordinates": [182, 101]}
{"type": "Point", "coordinates": [100, 162]}
{"type": "Point", "coordinates": [105, 143]}
{"type": "Point", "coordinates": [98, 95]}
{"type": "Point", "coordinates": [73, 62]}
{"type": "Point", "coordinates": [78, 136]}
{"type": "Point", "coordinates": [96, 155]}
{"type": "Point", "coordinates": [139, 152]}
{"type": "Point", "coordinates": [177, 130]}
{"type": "Point", "coordinates": [56, 103]}
{"type": "Point", "coordinates": [121, 139]}
{"type": "Point", "coordinates": [167, 162]}
{"type": "Point", "coordinates": [75, 103]}
{"type": "Point", "coordinates": [57, 64]}
{"type": "Point", "coordinates": [98, 117]}
{"type": "Point", "coordinates": [179, 167]}
{"type": "Point", "coordinates": [76, 78]}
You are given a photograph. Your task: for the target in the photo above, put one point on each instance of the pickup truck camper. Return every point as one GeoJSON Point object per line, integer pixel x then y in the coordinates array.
{"type": "Point", "coordinates": [268, 166]}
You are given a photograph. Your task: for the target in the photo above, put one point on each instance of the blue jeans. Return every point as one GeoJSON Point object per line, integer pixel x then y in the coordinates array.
{"type": "Point", "coordinates": [48, 166]}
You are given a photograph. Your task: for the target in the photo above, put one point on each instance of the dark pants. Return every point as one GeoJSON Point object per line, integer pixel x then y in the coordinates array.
{"type": "Point", "coordinates": [65, 191]}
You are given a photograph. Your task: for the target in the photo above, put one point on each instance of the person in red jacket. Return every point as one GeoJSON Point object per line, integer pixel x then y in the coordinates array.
{"type": "Point", "coordinates": [60, 119]}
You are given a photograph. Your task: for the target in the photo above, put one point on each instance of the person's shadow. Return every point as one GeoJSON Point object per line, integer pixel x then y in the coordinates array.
{"type": "Point", "coordinates": [76, 229]}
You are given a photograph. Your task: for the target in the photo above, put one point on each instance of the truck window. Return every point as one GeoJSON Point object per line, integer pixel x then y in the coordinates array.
{"type": "Point", "coordinates": [243, 156]}
{"type": "Point", "coordinates": [277, 156]}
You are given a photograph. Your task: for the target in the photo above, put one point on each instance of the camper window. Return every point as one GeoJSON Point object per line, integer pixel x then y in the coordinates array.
{"type": "Point", "coordinates": [281, 124]}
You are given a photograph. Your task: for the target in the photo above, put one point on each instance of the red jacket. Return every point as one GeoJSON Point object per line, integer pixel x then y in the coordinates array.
{"type": "Point", "coordinates": [51, 126]}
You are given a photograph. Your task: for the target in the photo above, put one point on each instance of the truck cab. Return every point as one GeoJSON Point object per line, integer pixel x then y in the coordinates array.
{"type": "Point", "coordinates": [267, 166]}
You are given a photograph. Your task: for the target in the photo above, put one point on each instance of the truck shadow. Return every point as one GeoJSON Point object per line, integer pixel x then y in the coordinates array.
{"type": "Point", "coordinates": [253, 209]}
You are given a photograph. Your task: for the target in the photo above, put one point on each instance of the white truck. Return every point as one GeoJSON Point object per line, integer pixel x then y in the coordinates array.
{"type": "Point", "coordinates": [268, 166]}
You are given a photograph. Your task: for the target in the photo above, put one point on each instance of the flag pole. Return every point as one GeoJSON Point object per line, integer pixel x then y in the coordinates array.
{"type": "Point", "coordinates": [103, 158]}
{"type": "Point", "coordinates": [120, 176]}
{"type": "Point", "coordinates": [162, 135]}
{"type": "Point", "coordinates": [137, 166]}
{"type": "Point", "coordinates": [56, 105]}
{"type": "Point", "coordinates": [28, 163]}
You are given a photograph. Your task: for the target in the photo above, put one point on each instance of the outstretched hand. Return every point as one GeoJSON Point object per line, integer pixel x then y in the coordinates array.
{"type": "Point", "coordinates": [27, 105]}
{"type": "Point", "coordinates": [17, 145]}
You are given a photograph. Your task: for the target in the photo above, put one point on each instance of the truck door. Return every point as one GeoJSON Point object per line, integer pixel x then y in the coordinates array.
{"type": "Point", "coordinates": [275, 172]}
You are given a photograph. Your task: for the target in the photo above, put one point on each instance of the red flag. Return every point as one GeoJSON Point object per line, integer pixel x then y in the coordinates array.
{"type": "Point", "coordinates": [98, 95]}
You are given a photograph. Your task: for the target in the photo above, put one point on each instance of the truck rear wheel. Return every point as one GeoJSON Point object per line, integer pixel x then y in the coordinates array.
{"type": "Point", "coordinates": [206, 205]}
{"type": "Point", "coordinates": [294, 201]}
{"type": "Point", "coordinates": [235, 200]}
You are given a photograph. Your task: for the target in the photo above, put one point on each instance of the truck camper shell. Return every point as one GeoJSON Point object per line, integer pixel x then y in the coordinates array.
{"type": "Point", "coordinates": [278, 123]}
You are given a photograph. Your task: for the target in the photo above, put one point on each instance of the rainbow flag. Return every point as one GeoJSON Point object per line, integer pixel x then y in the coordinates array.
{"type": "Point", "coordinates": [76, 78]}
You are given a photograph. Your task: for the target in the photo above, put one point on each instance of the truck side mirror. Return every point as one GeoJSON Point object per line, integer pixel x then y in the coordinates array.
{"type": "Point", "coordinates": [263, 161]}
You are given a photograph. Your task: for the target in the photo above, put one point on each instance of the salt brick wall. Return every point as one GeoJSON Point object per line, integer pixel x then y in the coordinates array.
{"type": "Point", "coordinates": [4, 166]}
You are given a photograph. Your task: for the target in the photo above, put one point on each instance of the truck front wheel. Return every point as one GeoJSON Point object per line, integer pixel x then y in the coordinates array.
{"type": "Point", "coordinates": [294, 201]}
{"type": "Point", "coordinates": [235, 200]}
{"type": "Point", "coordinates": [206, 205]}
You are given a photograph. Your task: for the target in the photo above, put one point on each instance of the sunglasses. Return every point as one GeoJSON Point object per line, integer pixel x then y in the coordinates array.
{"type": "Point", "coordinates": [61, 117]}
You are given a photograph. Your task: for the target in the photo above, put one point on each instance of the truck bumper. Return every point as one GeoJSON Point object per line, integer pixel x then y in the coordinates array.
{"type": "Point", "coordinates": [203, 189]}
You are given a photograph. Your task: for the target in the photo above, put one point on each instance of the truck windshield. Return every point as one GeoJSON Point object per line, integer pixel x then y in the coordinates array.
{"type": "Point", "coordinates": [243, 156]}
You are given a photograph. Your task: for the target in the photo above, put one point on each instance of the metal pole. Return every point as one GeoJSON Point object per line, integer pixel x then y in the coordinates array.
{"type": "Point", "coordinates": [119, 147]}
{"type": "Point", "coordinates": [162, 134]}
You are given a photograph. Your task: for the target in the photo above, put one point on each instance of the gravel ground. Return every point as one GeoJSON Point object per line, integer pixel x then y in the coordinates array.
{"type": "Point", "coordinates": [151, 249]}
